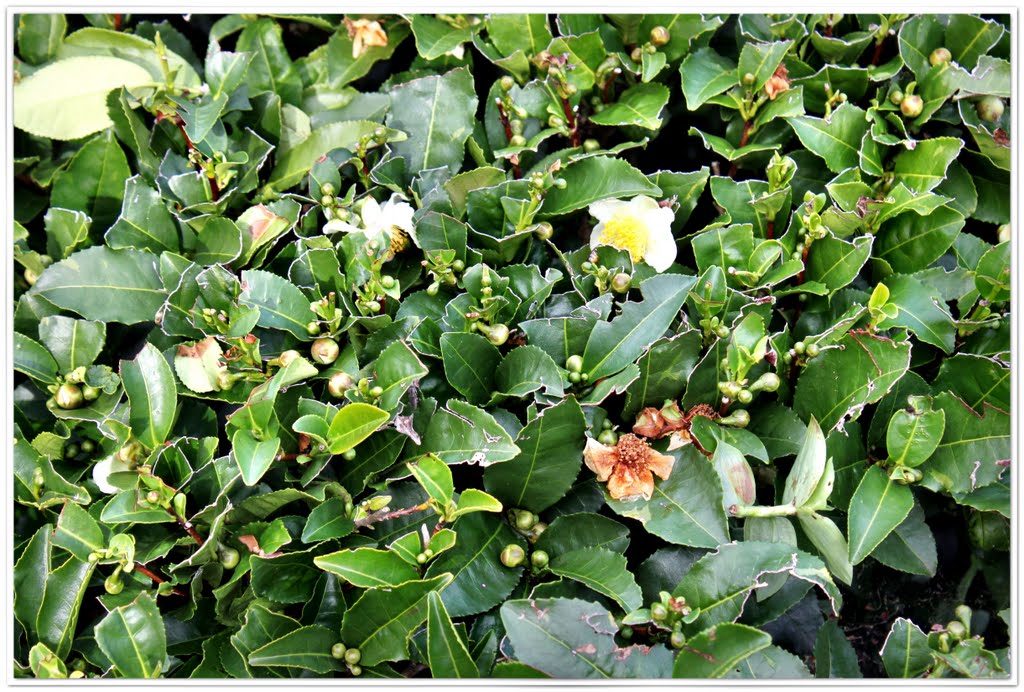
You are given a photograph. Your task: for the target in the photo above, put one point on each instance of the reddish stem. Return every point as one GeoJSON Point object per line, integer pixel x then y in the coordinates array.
{"type": "Point", "coordinates": [371, 519]}
{"type": "Point", "coordinates": [769, 230]}
{"type": "Point", "coordinates": [142, 569]}
{"type": "Point", "coordinates": [189, 529]}
{"type": "Point", "coordinates": [570, 121]}
{"type": "Point", "coordinates": [503, 117]}
{"type": "Point", "coordinates": [878, 52]}
{"type": "Point", "coordinates": [214, 189]}
{"type": "Point", "coordinates": [747, 125]}
{"type": "Point", "coordinates": [117, 22]}
{"type": "Point", "coordinates": [803, 258]}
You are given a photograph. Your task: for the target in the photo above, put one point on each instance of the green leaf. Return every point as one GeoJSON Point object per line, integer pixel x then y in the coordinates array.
{"type": "Point", "coordinates": [724, 148]}
{"type": "Point", "coordinates": [253, 456]}
{"type": "Point", "coordinates": [914, 433]}
{"type": "Point", "coordinates": [905, 653]}
{"type": "Point", "coordinates": [67, 99]}
{"type": "Point", "coordinates": [287, 578]}
{"type": "Point", "coordinates": [326, 521]}
{"type": "Point", "coordinates": [261, 627]}
{"type": "Point", "coordinates": [571, 532]}
{"type": "Point", "coordinates": [614, 345]}
{"type": "Point", "coordinates": [640, 105]}
{"type": "Point", "coordinates": [94, 181]}
{"type": "Point", "coordinates": [367, 567]}
{"type": "Point", "coordinates": [381, 621]}
{"type": "Point", "coordinates": [73, 343]}
{"type": "Point", "coordinates": [664, 370]}
{"type": "Point", "coordinates": [570, 638]}
{"type": "Point", "coordinates": [992, 277]}
{"type": "Point", "coordinates": [462, 433]}
{"type": "Point", "coordinates": [281, 304]}
{"type": "Point", "coordinates": [835, 262]}
{"type": "Point", "coordinates": [78, 533]}
{"type": "Point", "coordinates": [149, 383]}
{"type": "Point", "coordinates": [480, 580]}
{"type": "Point", "coordinates": [527, 369]}
{"type": "Point", "coordinates": [30, 573]}
{"type": "Point", "coordinates": [706, 74]}
{"type": "Point", "coordinates": [33, 360]}
{"type": "Point", "coordinates": [972, 447]}
{"type": "Point", "coordinates": [437, 113]}
{"type": "Point", "coordinates": [294, 162]}
{"type": "Point", "coordinates": [912, 242]}
{"type": "Point", "coordinates": [835, 385]}
{"type": "Point", "coordinates": [735, 475]}
{"type": "Point", "coordinates": [550, 457]}
{"type": "Point", "coordinates": [344, 67]}
{"type": "Point", "coordinates": [105, 285]}
{"type": "Point", "coordinates": [144, 223]}
{"type": "Point", "coordinates": [67, 231]}
{"type": "Point", "coordinates": [126, 507]}
{"type": "Point", "coordinates": [593, 179]}
{"type": "Point", "coordinates": [920, 311]}
{"type": "Point", "coordinates": [308, 648]}
{"type": "Point", "coordinates": [687, 508]}
{"type": "Point", "coordinates": [473, 500]}
{"type": "Point", "coordinates": [720, 583]}
{"type": "Point", "coordinates": [771, 663]}
{"type": "Point", "coordinates": [760, 60]}
{"type": "Point", "coordinates": [603, 571]}
{"type": "Point", "coordinates": [969, 37]}
{"type": "Point", "coordinates": [470, 362]}
{"type": "Point", "coordinates": [878, 506]}
{"type": "Point", "coordinates": [447, 654]}
{"type": "Point", "coordinates": [910, 547]}
{"type": "Point", "coordinates": [133, 638]}
{"type": "Point", "coordinates": [435, 38]}
{"type": "Point", "coordinates": [834, 656]}
{"type": "Point", "coordinates": [829, 541]}
{"type": "Point", "coordinates": [836, 140]}
{"type": "Point", "coordinates": [924, 167]}
{"type": "Point", "coordinates": [435, 477]}
{"type": "Point", "coordinates": [352, 424]}
{"type": "Point", "coordinates": [714, 653]}
{"type": "Point", "coordinates": [40, 35]}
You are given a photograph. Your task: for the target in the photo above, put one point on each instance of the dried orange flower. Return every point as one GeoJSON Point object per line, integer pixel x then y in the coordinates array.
{"type": "Point", "coordinates": [682, 437]}
{"type": "Point", "coordinates": [656, 423]}
{"type": "Point", "coordinates": [777, 83]}
{"type": "Point", "coordinates": [628, 466]}
{"type": "Point", "coordinates": [365, 33]}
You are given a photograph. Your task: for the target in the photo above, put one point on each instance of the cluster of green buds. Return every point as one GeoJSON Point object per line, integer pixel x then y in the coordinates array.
{"type": "Point", "coordinates": [71, 391]}
{"type": "Point", "coordinates": [557, 68]}
{"type": "Point", "coordinates": [72, 449]}
{"type": "Point", "coordinates": [481, 316]}
{"type": "Point", "coordinates": [367, 142]}
{"type": "Point", "coordinates": [154, 492]}
{"type": "Point", "coordinates": [350, 655]}
{"type": "Point", "coordinates": [371, 295]}
{"type": "Point", "coordinates": [444, 269]}
{"type": "Point", "coordinates": [605, 278]}
{"type": "Point", "coordinates": [217, 170]}
{"type": "Point", "coordinates": [811, 226]}
{"type": "Point", "coordinates": [329, 314]}
{"type": "Point", "coordinates": [120, 550]}
{"type": "Point", "coordinates": [713, 326]}
{"type": "Point", "coordinates": [608, 436]}
{"type": "Point", "coordinates": [540, 183]}
{"type": "Point", "coordinates": [335, 208]}
{"type": "Point", "coordinates": [378, 503]}
{"type": "Point", "coordinates": [527, 524]}
{"type": "Point", "coordinates": [513, 555]}
{"type": "Point", "coordinates": [742, 392]}
{"type": "Point", "coordinates": [833, 99]}
{"type": "Point", "coordinates": [511, 115]}
{"type": "Point", "coordinates": [910, 103]}
{"type": "Point", "coordinates": [945, 639]}
{"type": "Point", "coordinates": [217, 321]}
{"type": "Point", "coordinates": [368, 391]}
{"type": "Point", "coordinates": [671, 613]}
{"type": "Point", "coordinates": [801, 352]}
{"type": "Point", "coordinates": [983, 315]}
{"type": "Point", "coordinates": [574, 364]}
{"type": "Point", "coordinates": [658, 37]}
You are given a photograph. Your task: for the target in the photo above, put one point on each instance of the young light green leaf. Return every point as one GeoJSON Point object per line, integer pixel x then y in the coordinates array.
{"type": "Point", "coordinates": [308, 648]}
{"type": "Point", "coordinates": [352, 424]}
{"type": "Point", "coordinates": [367, 567]}
{"type": "Point", "coordinates": [435, 477]}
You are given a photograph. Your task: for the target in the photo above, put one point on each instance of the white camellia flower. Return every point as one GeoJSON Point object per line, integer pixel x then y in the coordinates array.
{"type": "Point", "coordinates": [378, 219]}
{"type": "Point", "coordinates": [641, 226]}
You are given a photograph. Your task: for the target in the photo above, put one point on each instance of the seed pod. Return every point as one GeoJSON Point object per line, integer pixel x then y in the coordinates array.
{"type": "Point", "coordinates": [911, 106]}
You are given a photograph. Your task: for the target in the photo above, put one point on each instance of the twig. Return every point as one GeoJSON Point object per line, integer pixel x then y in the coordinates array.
{"type": "Point", "coordinates": [142, 569]}
{"type": "Point", "coordinates": [187, 526]}
{"type": "Point", "coordinates": [503, 117]}
{"type": "Point", "coordinates": [743, 142]}
{"type": "Point", "coordinates": [877, 57]}
{"type": "Point", "coordinates": [570, 121]}
{"type": "Point", "coordinates": [375, 517]}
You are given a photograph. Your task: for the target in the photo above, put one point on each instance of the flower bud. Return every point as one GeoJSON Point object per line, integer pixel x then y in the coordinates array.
{"type": "Point", "coordinates": [229, 557]}
{"type": "Point", "coordinates": [940, 55]}
{"type": "Point", "coordinates": [591, 145]}
{"type": "Point", "coordinates": [88, 446]}
{"type": "Point", "coordinates": [736, 419]}
{"type": "Point", "coordinates": [812, 350]}
{"type": "Point", "coordinates": [421, 559]}
{"type": "Point", "coordinates": [497, 334]}
{"type": "Point", "coordinates": [539, 559]}
{"type": "Point", "coordinates": [352, 656]}
{"type": "Point", "coordinates": [575, 377]}
{"type": "Point", "coordinates": [1003, 233]}
{"type": "Point", "coordinates": [608, 437]}
{"type": "Point", "coordinates": [660, 36]}
{"type": "Point", "coordinates": [349, 454]}
{"type": "Point", "coordinates": [677, 640]}
{"type": "Point", "coordinates": [659, 612]}
{"type": "Point", "coordinates": [896, 97]}
{"type": "Point", "coordinates": [507, 82]}
{"type": "Point", "coordinates": [963, 614]}
{"type": "Point", "coordinates": [525, 519]}
{"type": "Point", "coordinates": [288, 356]}
{"type": "Point", "coordinates": [911, 106]}
{"type": "Point", "coordinates": [745, 396]}
{"type": "Point", "coordinates": [338, 651]}
{"type": "Point", "coordinates": [620, 282]}
{"type": "Point", "coordinates": [768, 382]}
{"type": "Point", "coordinates": [556, 122]}
{"type": "Point", "coordinates": [313, 328]}
{"type": "Point", "coordinates": [990, 108]}
{"type": "Point", "coordinates": [517, 141]}
{"type": "Point", "coordinates": [799, 347]}
{"type": "Point", "coordinates": [957, 630]}
{"type": "Point", "coordinates": [543, 230]}
{"type": "Point", "coordinates": [68, 396]}
{"type": "Point", "coordinates": [637, 55]}
{"type": "Point", "coordinates": [70, 450]}
{"type": "Point", "coordinates": [327, 189]}
{"type": "Point", "coordinates": [324, 350]}
{"type": "Point", "coordinates": [749, 79]}
{"type": "Point", "coordinates": [513, 555]}
{"type": "Point", "coordinates": [153, 497]}
{"type": "Point", "coordinates": [91, 393]}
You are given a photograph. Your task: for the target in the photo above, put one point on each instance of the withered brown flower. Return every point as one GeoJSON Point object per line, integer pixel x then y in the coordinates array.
{"type": "Point", "coordinates": [627, 467]}
{"type": "Point", "coordinates": [777, 83]}
{"type": "Point", "coordinates": [365, 33]}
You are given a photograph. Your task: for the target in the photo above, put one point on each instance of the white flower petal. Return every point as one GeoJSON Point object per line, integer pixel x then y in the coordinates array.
{"type": "Point", "coordinates": [370, 213]}
{"type": "Point", "coordinates": [606, 209]}
{"type": "Point", "coordinates": [661, 247]}
{"type": "Point", "coordinates": [595, 234]}
{"type": "Point", "coordinates": [642, 204]}
{"type": "Point", "coordinates": [338, 226]}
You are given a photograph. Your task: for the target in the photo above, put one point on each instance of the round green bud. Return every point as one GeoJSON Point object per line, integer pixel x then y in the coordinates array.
{"type": "Point", "coordinates": [349, 454]}
{"type": "Point", "coordinates": [812, 350]}
{"type": "Point", "coordinates": [517, 141]}
{"type": "Point", "coordinates": [660, 36]}
{"type": "Point", "coordinates": [88, 446]}
{"type": "Point", "coordinates": [516, 126]}
{"type": "Point", "coordinates": [113, 584]}
{"type": "Point", "coordinates": [736, 419]}
{"type": "Point", "coordinates": [749, 79]}
{"type": "Point", "coordinates": [373, 307]}
{"type": "Point", "coordinates": [606, 424]}
{"type": "Point", "coordinates": [355, 670]}
{"type": "Point", "coordinates": [325, 350]}
{"type": "Point", "coordinates": [556, 122]}
{"type": "Point", "coordinates": [722, 332]}
{"type": "Point", "coordinates": [288, 356]}
{"type": "Point", "coordinates": [512, 555]}
{"type": "Point", "coordinates": [911, 106]}
{"type": "Point", "coordinates": [768, 382]}
{"type": "Point", "coordinates": [591, 145]}
{"type": "Point", "coordinates": [574, 363]}
{"type": "Point", "coordinates": [313, 328]}
{"type": "Point", "coordinates": [352, 656]}
{"type": "Point", "coordinates": [626, 632]}
{"type": "Point", "coordinates": [896, 97]}
{"type": "Point", "coordinates": [677, 640]}
{"type": "Point", "coordinates": [70, 450]}
{"type": "Point", "coordinates": [507, 82]}
{"type": "Point", "coordinates": [421, 559]}
{"type": "Point", "coordinates": [429, 553]}
{"type": "Point", "coordinates": [745, 396]}
{"type": "Point", "coordinates": [338, 651]}
{"type": "Point", "coordinates": [940, 55]}
{"type": "Point", "coordinates": [327, 201]}
{"type": "Point", "coordinates": [620, 282]}
{"type": "Point", "coordinates": [575, 377]}
{"type": "Point", "coordinates": [387, 281]}
{"type": "Point", "coordinates": [497, 334]}
{"type": "Point", "coordinates": [637, 55]}
{"type": "Point", "coordinates": [458, 265]}
{"type": "Point", "coordinates": [1003, 233]}
{"type": "Point", "coordinates": [659, 612]}
{"type": "Point", "coordinates": [535, 533]}
{"type": "Point", "coordinates": [520, 112]}
{"type": "Point", "coordinates": [957, 630]}
{"type": "Point", "coordinates": [539, 559]}
{"type": "Point", "coordinates": [584, 377]}
{"type": "Point", "coordinates": [525, 520]}
{"type": "Point", "coordinates": [68, 396]}
{"type": "Point", "coordinates": [433, 288]}
{"type": "Point", "coordinates": [153, 497]}
{"type": "Point", "coordinates": [963, 614]}
{"type": "Point", "coordinates": [327, 189]}
{"type": "Point", "coordinates": [94, 557]}
{"type": "Point", "coordinates": [376, 392]}
{"type": "Point", "coordinates": [339, 383]}
{"type": "Point", "coordinates": [544, 230]}
{"type": "Point", "coordinates": [30, 276]}
{"type": "Point", "coordinates": [229, 557]}
{"type": "Point", "coordinates": [650, 49]}
{"type": "Point", "coordinates": [799, 347]}
{"type": "Point", "coordinates": [990, 108]}
{"type": "Point", "coordinates": [608, 437]}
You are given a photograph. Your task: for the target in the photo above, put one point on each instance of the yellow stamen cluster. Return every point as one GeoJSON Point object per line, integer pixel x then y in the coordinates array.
{"type": "Point", "coordinates": [626, 233]}
{"type": "Point", "coordinates": [399, 240]}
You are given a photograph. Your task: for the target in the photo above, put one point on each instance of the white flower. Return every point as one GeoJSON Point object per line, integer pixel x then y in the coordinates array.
{"type": "Point", "coordinates": [641, 226]}
{"type": "Point", "coordinates": [102, 471]}
{"type": "Point", "coordinates": [393, 217]}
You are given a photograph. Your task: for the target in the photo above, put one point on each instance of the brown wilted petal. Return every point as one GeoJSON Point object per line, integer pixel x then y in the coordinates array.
{"type": "Point", "coordinates": [251, 543]}
{"type": "Point", "coordinates": [364, 34]}
{"type": "Point", "coordinates": [660, 464]}
{"type": "Point", "coordinates": [599, 458]}
{"type": "Point", "coordinates": [626, 483]}
{"type": "Point", "coordinates": [777, 83]}
{"type": "Point", "coordinates": [649, 423]}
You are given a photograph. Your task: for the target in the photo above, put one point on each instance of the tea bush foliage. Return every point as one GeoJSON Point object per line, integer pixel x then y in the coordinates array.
{"type": "Point", "coordinates": [589, 346]}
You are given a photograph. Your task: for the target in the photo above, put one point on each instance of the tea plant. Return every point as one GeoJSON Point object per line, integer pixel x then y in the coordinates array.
{"type": "Point", "coordinates": [586, 346]}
